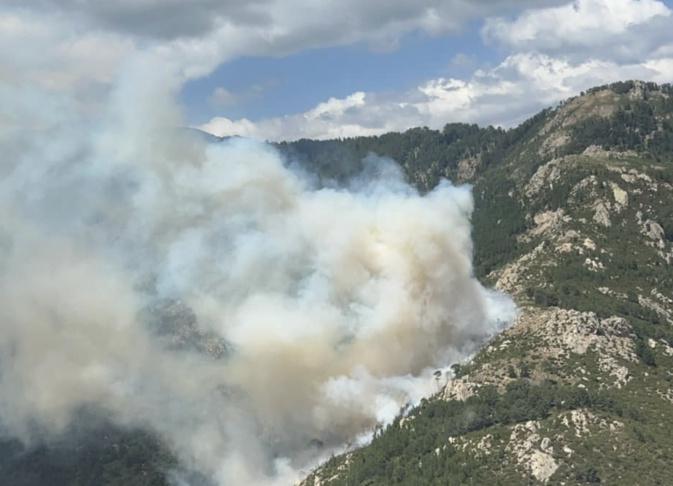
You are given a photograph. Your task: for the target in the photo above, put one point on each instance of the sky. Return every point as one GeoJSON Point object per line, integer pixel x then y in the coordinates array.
{"type": "Point", "coordinates": [106, 210]}
{"type": "Point", "coordinates": [283, 70]}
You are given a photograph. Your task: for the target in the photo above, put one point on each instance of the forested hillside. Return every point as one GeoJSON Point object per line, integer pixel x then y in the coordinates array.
{"type": "Point", "coordinates": [573, 218]}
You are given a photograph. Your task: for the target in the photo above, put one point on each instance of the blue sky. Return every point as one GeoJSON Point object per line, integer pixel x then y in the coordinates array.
{"type": "Point", "coordinates": [287, 69]}
{"type": "Point", "coordinates": [496, 68]}
{"type": "Point", "coordinates": [103, 205]}
{"type": "Point", "coordinates": [275, 86]}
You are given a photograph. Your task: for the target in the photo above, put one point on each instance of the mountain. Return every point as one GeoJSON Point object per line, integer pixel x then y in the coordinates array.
{"type": "Point", "coordinates": [574, 219]}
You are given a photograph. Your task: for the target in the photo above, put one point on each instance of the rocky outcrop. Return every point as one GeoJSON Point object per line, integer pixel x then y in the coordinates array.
{"type": "Point", "coordinates": [545, 176]}
{"type": "Point", "coordinates": [588, 261]}
{"type": "Point", "coordinates": [467, 168]}
{"type": "Point", "coordinates": [531, 451]}
{"type": "Point", "coordinates": [459, 389]}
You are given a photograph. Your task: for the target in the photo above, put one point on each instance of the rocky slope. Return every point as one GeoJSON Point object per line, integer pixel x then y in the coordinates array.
{"type": "Point", "coordinates": [574, 219]}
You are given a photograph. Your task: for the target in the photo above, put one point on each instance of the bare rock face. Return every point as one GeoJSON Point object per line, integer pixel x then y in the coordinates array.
{"type": "Point", "coordinates": [658, 303]}
{"type": "Point", "coordinates": [531, 451]}
{"type": "Point", "coordinates": [565, 332]}
{"type": "Point", "coordinates": [545, 176]}
{"type": "Point", "coordinates": [586, 255]}
{"type": "Point", "coordinates": [548, 221]}
{"type": "Point", "coordinates": [467, 168]}
{"type": "Point", "coordinates": [459, 389]}
{"type": "Point", "coordinates": [602, 214]}
{"type": "Point", "coordinates": [512, 277]}
{"type": "Point", "coordinates": [654, 232]}
{"type": "Point", "coordinates": [593, 151]}
{"type": "Point", "coordinates": [586, 187]}
{"type": "Point", "coordinates": [620, 195]}
{"type": "Point", "coordinates": [571, 331]}
{"type": "Point", "coordinates": [582, 422]}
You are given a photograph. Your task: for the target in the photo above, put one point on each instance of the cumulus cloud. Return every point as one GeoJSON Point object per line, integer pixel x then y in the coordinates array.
{"type": "Point", "coordinates": [329, 119]}
{"type": "Point", "coordinates": [623, 30]}
{"type": "Point", "coordinates": [505, 95]}
{"type": "Point", "coordinates": [171, 19]}
{"type": "Point", "coordinates": [197, 36]}
{"type": "Point", "coordinates": [568, 46]}
{"type": "Point", "coordinates": [329, 308]}
{"type": "Point", "coordinates": [554, 52]}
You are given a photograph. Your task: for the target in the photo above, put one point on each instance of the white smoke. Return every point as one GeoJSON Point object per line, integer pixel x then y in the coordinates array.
{"type": "Point", "coordinates": [333, 305]}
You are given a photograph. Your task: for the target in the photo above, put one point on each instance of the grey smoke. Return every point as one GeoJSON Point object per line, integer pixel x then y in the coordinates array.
{"type": "Point", "coordinates": [316, 312]}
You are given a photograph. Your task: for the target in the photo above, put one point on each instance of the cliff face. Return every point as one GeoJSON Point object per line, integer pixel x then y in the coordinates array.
{"type": "Point", "coordinates": [574, 219]}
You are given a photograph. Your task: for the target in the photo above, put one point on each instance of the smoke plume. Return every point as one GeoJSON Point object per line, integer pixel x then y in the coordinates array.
{"type": "Point", "coordinates": [212, 292]}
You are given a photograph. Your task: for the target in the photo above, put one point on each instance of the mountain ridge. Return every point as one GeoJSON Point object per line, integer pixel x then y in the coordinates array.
{"type": "Point", "coordinates": [573, 221]}
{"type": "Point", "coordinates": [573, 218]}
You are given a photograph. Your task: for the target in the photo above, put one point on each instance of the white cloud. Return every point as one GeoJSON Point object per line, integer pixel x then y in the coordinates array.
{"type": "Point", "coordinates": [335, 107]}
{"type": "Point", "coordinates": [505, 95]}
{"type": "Point", "coordinates": [173, 19]}
{"type": "Point", "coordinates": [662, 69]}
{"type": "Point", "coordinates": [197, 36]}
{"type": "Point", "coordinates": [556, 52]}
{"type": "Point", "coordinates": [46, 53]}
{"type": "Point", "coordinates": [625, 29]}
{"type": "Point", "coordinates": [222, 127]}
{"type": "Point", "coordinates": [292, 25]}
